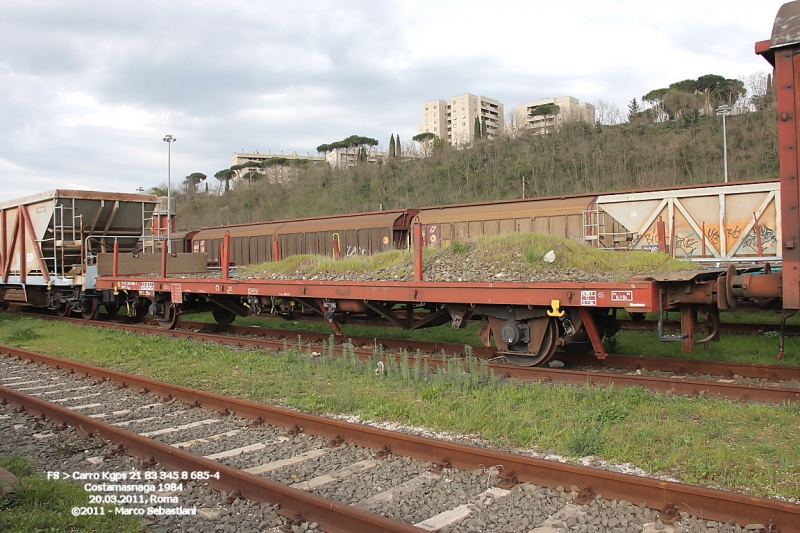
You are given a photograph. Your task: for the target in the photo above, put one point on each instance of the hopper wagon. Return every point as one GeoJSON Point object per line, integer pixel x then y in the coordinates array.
{"type": "Point", "coordinates": [50, 244]}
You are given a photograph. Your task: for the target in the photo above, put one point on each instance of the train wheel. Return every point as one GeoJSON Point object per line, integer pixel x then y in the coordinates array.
{"type": "Point", "coordinates": [63, 310]}
{"type": "Point", "coordinates": [637, 317]}
{"type": "Point", "coordinates": [223, 317]}
{"type": "Point", "coordinates": [111, 308]}
{"type": "Point", "coordinates": [91, 312]}
{"type": "Point", "coordinates": [545, 350]}
{"type": "Point", "coordinates": [138, 312]}
{"type": "Point", "coordinates": [170, 319]}
{"type": "Point", "coordinates": [3, 305]}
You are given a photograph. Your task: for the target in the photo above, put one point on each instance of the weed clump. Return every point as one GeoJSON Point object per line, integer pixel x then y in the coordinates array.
{"type": "Point", "coordinates": [21, 331]}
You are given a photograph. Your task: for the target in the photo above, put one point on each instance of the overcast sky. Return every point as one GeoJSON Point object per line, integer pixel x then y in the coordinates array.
{"type": "Point", "coordinates": [89, 89]}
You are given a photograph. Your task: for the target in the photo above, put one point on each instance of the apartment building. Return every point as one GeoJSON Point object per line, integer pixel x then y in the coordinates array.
{"type": "Point", "coordinates": [278, 173]}
{"type": "Point", "coordinates": [454, 119]}
{"type": "Point", "coordinates": [570, 110]}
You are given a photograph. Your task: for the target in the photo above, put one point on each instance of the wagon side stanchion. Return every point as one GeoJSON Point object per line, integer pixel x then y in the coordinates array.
{"type": "Point", "coordinates": [417, 251]}
{"type": "Point", "coordinates": [115, 263]}
{"type": "Point", "coordinates": [226, 255]}
{"type": "Point", "coordinates": [276, 247]}
{"type": "Point", "coordinates": [337, 248]}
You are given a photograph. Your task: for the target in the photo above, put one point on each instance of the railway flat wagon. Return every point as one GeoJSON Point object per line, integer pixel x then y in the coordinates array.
{"type": "Point", "coordinates": [356, 234]}
{"type": "Point", "coordinates": [50, 243]}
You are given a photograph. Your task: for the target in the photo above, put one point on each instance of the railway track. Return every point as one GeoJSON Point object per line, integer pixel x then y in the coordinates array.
{"type": "Point", "coordinates": [743, 381]}
{"type": "Point", "coordinates": [726, 328]}
{"type": "Point", "coordinates": [331, 475]}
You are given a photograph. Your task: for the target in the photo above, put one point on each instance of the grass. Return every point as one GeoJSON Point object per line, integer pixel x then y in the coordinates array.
{"type": "Point", "coordinates": [746, 349]}
{"type": "Point", "coordinates": [44, 506]}
{"type": "Point", "coordinates": [749, 447]}
{"type": "Point", "coordinates": [310, 265]}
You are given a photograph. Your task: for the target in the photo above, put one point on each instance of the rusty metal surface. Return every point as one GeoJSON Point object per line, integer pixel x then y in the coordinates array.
{"type": "Point", "coordinates": [786, 29]}
{"type": "Point", "coordinates": [331, 515]}
{"type": "Point", "coordinates": [787, 107]}
{"type": "Point", "coordinates": [656, 494]}
{"type": "Point", "coordinates": [640, 296]}
{"type": "Point", "coordinates": [727, 328]}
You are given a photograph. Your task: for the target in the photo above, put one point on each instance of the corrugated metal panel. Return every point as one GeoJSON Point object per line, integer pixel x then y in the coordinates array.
{"type": "Point", "coordinates": [334, 223]}
{"type": "Point", "coordinates": [724, 217]}
{"type": "Point", "coordinates": [515, 209]}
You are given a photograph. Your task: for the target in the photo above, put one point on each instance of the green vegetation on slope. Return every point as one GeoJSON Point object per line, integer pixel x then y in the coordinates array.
{"type": "Point", "coordinates": [576, 158]}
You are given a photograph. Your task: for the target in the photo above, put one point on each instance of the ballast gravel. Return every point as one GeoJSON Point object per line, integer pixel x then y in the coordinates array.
{"type": "Point", "coordinates": [525, 508]}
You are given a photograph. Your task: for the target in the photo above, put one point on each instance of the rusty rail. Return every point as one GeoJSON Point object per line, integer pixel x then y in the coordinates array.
{"type": "Point", "coordinates": [687, 387]}
{"type": "Point", "coordinates": [656, 494]}
{"type": "Point", "coordinates": [332, 515]}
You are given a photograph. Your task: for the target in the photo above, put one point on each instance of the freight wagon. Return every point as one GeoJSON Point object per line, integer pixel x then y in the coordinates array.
{"type": "Point", "coordinates": [341, 235]}
{"type": "Point", "coordinates": [50, 244]}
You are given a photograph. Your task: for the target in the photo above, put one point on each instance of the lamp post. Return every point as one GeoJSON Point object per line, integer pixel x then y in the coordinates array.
{"type": "Point", "coordinates": [724, 110]}
{"type": "Point", "coordinates": [169, 139]}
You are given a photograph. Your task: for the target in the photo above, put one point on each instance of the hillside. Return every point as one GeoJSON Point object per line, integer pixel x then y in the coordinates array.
{"type": "Point", "coordinates": [575, 159]}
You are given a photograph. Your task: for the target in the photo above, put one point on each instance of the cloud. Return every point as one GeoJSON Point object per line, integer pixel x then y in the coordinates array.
{"type": "Point", "coordinates": [88, 90]}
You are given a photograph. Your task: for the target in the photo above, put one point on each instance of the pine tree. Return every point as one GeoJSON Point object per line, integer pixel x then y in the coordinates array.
{"type": "Point", "coordinates": [398, 150]}
{"type": "Point", "coordinates": [633, 109]}
{"type": "Point", "coordinates": [391, 146]}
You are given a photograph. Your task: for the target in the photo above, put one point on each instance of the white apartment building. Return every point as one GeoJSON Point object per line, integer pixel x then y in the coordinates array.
{"type": "Point", "coordinates": [570, 110]}
{"type": "Point", "coordinates": [454, 119]}
{"type": "Point", "coordinates": [276, 173]}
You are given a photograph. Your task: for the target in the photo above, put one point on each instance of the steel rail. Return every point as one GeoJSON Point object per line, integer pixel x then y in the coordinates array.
{"type": "Point", "coordinates": [687, 387]}
{"type": "Point", "coordinates": [728, 328]}
{"type": "Point", "coordinates": [629, 362]}
{"type": "Point", "coordinates": [332, 515]}
{"type": "Point", "coordinates": [656, 494]}
{"type": "Point", "coordinates": [728, 369]}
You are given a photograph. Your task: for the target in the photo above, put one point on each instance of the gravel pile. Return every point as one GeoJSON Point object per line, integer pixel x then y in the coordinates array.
{"type": "Point", "coordinates": [526, 258]}
{"type": "Point", "coordinates": [462, 268]}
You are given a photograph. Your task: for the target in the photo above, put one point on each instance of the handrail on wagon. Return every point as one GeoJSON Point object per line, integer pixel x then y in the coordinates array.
{"type": "Point", "coordinates": [89, 256]}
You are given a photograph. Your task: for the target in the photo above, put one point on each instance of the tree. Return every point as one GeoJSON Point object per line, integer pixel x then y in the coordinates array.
{"type": "Point", "coordinates": [477, 128]}
{"type": "Point", "coordinates": [484, 131]}
{"type": "Point", "coordinates": [679, 104]}
{"type": "Point", "coordinates": [225, 175]}
{"type": "Point", "coordinates": [159, 191]}
{"type": "Point", "coordinates": [655, 99]}
{"type": "Point", "coordinates": [193, 180]}
{"type": "Point", "coordinates": [608, 113]}
{"type": "Point", "coordinates": [548, 112]}
{"type": "Point", "coordinates": [761, 90]}
{"type": "Point", "coordinates": [633, 109]}
{"type": "Point", "coordinates": [425, 141]}
{"type": "Point", "coordinates": [398, 148]}
{"type": "Point", "coordinates": [391, 146]}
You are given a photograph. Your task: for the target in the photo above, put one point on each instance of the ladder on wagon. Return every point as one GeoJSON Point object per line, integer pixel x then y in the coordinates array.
{"type": "Point", "coordinates": [595, 232]}
{"type": "Point", "coordinates": [67, 240]}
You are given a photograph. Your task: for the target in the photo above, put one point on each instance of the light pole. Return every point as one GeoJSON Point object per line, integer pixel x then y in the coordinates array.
{"type": "Point", "coordinates": [169, 139]}
{"type": "Point", "coordinates": [724, 110]}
